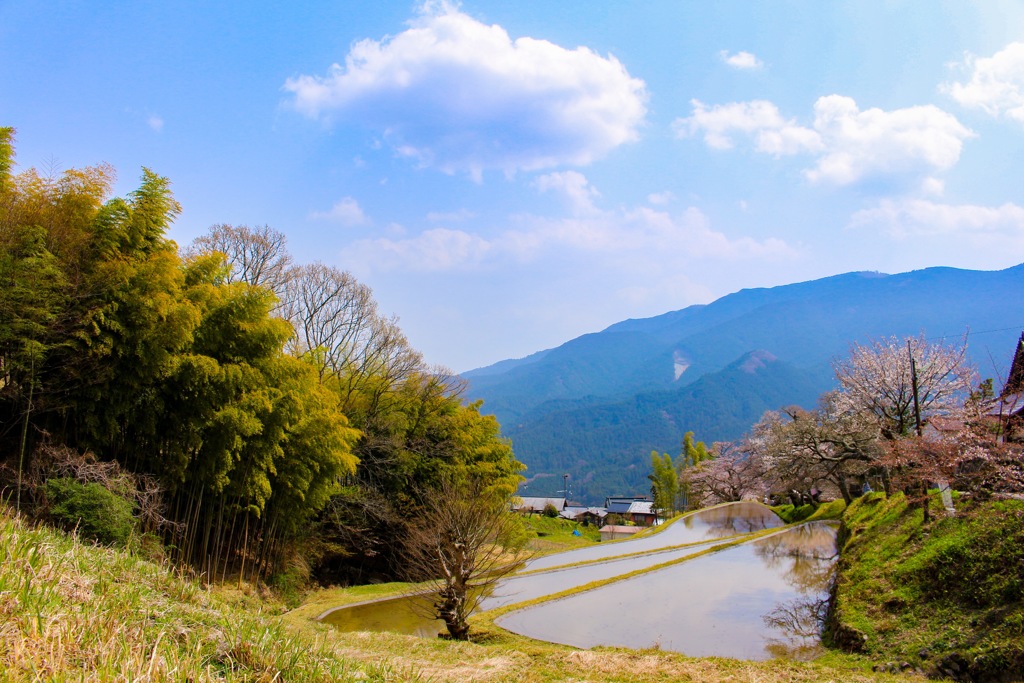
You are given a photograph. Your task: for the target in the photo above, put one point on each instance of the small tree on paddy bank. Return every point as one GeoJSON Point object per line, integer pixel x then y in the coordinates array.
{"type": "Point", "coordinates": [466, 540]}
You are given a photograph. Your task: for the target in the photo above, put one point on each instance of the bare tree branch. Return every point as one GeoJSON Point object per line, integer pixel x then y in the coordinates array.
{"type": "Point", "coordinates": [257, 256]}
{"type": "Point", "coordinates": [465, 542]}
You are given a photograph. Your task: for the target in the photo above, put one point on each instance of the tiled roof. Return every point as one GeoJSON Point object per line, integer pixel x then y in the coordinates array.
{"type": "Point", "coordinates": [538, 504]}
{"type": "Point", "coordinates": [641, 507]}
{"type": "Point", "coordinates": [1008, 404]}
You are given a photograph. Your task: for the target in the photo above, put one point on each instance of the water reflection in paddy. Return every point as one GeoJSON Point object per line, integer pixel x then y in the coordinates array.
{"type": "Point", "coordinates": [705, 525]}
{"type": "Point", "coordinates": [401, 615]}
{"type": "Point", "coordinates": [715, 605]}
{"type": "Point", "coordinates": [701, 528]}
{"type": "Point", "coordinates": [406, 615]}
{"type": "Point", "coordinates": [530, 586]}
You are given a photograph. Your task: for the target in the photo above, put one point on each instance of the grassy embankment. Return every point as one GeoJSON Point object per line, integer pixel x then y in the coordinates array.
{"type": "Point", "coordinates": [553, 534]}
{"type": "Point", "coordinates": [792, 514]}
{"type": "Point", "coordinates": [946, 597]}
{"type": "Point", "coordinates": [70, 611]}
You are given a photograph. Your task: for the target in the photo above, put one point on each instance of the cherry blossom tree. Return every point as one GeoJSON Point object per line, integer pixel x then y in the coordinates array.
{"type": "Point", "coordinates": [892, 379]}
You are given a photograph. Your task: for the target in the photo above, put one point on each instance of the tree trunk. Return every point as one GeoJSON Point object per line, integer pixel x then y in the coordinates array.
{"type": "Point", "coordinates": [886, 481]}
{"type": "Point", "coordinates": [844, 488]}
{"type": "Point", "coordinates": [451, 610]}
{"type": "Point", "coordinates": [24, 429]}
{"type": "Point", "coordinates": [925, 502]}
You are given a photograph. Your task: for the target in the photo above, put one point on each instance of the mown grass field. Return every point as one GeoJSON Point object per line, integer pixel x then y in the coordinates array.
{"type": "Point", "coordinates": [74, 612]}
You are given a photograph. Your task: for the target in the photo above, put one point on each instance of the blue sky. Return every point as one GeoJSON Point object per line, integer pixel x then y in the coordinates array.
{"type": "Point", "coordinates": [507, 176]}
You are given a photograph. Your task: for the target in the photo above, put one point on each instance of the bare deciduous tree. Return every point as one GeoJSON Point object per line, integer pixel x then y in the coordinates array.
{"type": "Point", "coordinates": [333, 316]}
{"type": "Point", "coordinates": [467, 539]}
{"type": "Point", "coordinates": [257, 256]}
{"type": "Point", "coordinates": [338, 326]}
{"type": "Point", "coordinates": [388, 358]}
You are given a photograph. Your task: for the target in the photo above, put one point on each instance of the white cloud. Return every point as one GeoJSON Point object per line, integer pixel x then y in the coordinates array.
{"type": "Point", "coordinates": [849, 145]}
{"type": "Point", "coordinates": [347, 212]}
{"type": "Point", "coordinates": [155, 122]}
{"type": "Point", "coordinates": [758, 119]}
{"type": "Point", "coordinates": [874, 142]}
{"type": "Point", "coordinates": [741, 60]}
{"type": "Point", "coordinates": [632, 239]}
{"type": "Point", "coordinates": [462, 96]}
{"type": "Point", "coordinates": [660, 198]}
{"type": "Point", "coordinates": [691, 233]}
{"type": "Point", "coordinates": [933, 186]}
{"type": "Point", "coordinates": [922, 218]}
{"type": "Point", "coordinates": [435, 250]}
{"type": "Point", "coordinates": [450, 216]}
{"type": "Point", "coordinates": [996, 85]}
{"type": "Point", "coordinates": [574, 186]}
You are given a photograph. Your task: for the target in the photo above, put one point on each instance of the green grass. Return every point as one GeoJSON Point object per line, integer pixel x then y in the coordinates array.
{"type": "Point", "coordinates": [792, 514]}
{"type": "Point", "coordinates": [554, 534]}
{"type": "Point", "coordinates": [945, 597]}
{"type": "Point", "coordinates": [73, 611]}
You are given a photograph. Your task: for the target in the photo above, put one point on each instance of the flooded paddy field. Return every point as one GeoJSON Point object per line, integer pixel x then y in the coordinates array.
{"type": "Point", "coordinates": [754, 600]}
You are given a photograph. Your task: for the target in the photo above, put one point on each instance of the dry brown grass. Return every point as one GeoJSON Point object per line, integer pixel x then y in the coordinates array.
{"type": "Point", "coordinates": [511, 659]}
{"type": "Point", "coordinates": [70, 611]}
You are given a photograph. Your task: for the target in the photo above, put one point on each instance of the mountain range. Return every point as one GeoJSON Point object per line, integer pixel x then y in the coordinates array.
{"type": "Point", "coordinates": [595, 407]}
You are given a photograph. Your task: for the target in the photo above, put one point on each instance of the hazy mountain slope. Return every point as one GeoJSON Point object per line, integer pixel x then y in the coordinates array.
{"type": "Point", "coordinates": [504, 366]}
{"type": "Point", "coordinates": [573, 398]}
{"type": "Point", "coordinates": [808, 323]}
{"type": "Point", "coordinates": [605, 447]}
{"type": "Point", "coordinates": [603, 363]}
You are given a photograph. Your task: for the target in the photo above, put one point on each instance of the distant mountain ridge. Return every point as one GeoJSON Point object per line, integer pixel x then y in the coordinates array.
{"type": "Point", "coordinates": [597, 405]}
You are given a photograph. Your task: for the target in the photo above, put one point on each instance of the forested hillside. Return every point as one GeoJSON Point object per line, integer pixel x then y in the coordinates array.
{"type": "Point", "coordinates": [598, 443]}
{"type": "Point", "coordinates": [596, 406]}
{"type": "Point", "coordinates": [254, 416]}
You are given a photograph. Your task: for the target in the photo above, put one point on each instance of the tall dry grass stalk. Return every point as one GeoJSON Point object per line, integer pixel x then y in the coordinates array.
{"type": "Point", "coordinates": [69, 611]}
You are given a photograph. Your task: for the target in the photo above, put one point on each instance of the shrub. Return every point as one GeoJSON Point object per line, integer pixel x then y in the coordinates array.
{"type": "Point", "coordinates": [614, 519]}
{"type": "Point", "coordinates": [95, 512]}
{"type": "Point", "coordinates": [550, 511]}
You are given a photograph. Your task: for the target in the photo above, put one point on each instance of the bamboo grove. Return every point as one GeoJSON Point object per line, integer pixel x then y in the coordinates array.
{"type": "Point", "coordinates": [269, 407]}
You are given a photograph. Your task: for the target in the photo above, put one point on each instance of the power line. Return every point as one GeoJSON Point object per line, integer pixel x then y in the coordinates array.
{"type": "Point", "coordinates": [969, 333]}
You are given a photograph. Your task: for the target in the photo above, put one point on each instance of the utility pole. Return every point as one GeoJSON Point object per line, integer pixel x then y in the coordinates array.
{"type": "Point", "coordinates": [947, 498]}
{"type": "Point", "coordinates": [565, 486]}
{"type": "Point", "coordinates": [913, 383]}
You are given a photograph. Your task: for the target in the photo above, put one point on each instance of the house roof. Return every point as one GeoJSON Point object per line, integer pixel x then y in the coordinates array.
{"type": "Point", "coordinates": [577, 512]}
{"type": "Point", "coordinates": [538, 504]}
{"type": "Point", "coordinates": [572, 511]}
{"type": "Point", "coordinates": [619, 507]}
{"type": "Point", "coordinates": [939, 427]}
{"type": "Point", "coordinates": [1015, 380]}
{"type": "Point", "coordinates": [1010, 403]}
{"type": "Point", "coordinates": [641, 507]}
{"type": "Point", "coordinates": [621, 504]}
